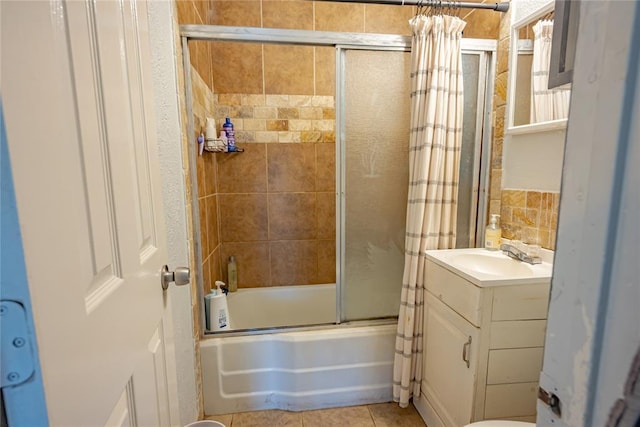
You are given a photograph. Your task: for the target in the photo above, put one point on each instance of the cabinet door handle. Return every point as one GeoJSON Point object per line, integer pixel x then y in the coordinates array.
{"type": "Point", "coordinates": [465, 352]}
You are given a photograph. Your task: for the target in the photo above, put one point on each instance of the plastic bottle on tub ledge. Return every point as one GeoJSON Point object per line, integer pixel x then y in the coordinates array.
{"type": "Point", "coordinates": [230, 134]}
{"type": "Point", "coordinates": [232, 270]}
{"type": "Point", "coordinates": [219, 319]}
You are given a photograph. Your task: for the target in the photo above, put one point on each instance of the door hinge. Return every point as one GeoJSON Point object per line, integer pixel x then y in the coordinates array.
{"type": "Point", "coordinates": [551, 400]}
{"type": "Point", "coordinates": [16, 354]}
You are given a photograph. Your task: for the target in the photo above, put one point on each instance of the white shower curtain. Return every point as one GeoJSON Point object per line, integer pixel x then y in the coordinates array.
{"type": "Point", "coordinates": [434, 158]}
{"type": "Point", "coordinates": [546, 104]}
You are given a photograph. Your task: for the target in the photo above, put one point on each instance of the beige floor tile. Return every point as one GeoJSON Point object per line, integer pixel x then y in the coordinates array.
{"type": "Point", "coordinates": [224, 419]}
{"type": "Point", "coordinates": [392, 415]}
{"type": "Point", "coordinates": [352, 416]}
{"type": "Point", "coordinates": [267, 418]}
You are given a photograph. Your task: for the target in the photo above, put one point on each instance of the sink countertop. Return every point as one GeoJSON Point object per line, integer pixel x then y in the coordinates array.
{"type": "Point", "coordinates": [486, 268]}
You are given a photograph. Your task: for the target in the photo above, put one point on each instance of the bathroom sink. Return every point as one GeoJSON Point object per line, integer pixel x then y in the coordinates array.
{"type": "Point", "coordinates": [490, 268]}
{"type": "Point", "coordinates": [489, 264]}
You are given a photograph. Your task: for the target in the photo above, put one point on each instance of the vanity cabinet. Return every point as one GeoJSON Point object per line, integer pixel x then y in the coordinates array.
{"type": "Point", "coordinates": [482, 348]}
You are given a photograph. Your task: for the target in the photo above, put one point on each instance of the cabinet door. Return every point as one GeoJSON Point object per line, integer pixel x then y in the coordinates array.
{"type": "Point", "coordinates": [450, 362]}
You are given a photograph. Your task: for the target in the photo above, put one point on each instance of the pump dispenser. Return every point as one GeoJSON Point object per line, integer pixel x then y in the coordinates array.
{"type": "Point", "coordinates": [493, 233]}
{"type": "Point", "coordinates": [219, 319]}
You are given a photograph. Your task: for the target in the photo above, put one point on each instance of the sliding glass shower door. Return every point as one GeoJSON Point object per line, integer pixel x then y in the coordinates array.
{"type": "Point", "coordinates": [375, 180]}
{"type": "Point", "coordinates": [373, 124]}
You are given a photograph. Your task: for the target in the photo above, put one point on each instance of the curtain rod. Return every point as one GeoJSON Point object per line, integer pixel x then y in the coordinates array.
{"type": "Point", "coordinates": [498, 7]}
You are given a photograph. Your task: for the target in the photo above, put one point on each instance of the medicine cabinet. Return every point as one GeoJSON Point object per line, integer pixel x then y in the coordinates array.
{"type": "Point", "coordinates": [529, 73]}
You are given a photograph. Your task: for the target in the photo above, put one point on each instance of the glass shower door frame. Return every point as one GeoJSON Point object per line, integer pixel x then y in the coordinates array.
{"type": "Point", "coordinates": [341, 153]}
{"type": "Point", "coordinates": [485, 49]}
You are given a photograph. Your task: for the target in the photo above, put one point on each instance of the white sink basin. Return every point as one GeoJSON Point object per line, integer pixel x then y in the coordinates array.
{"type": "Point", "coordinates": [490, 268]}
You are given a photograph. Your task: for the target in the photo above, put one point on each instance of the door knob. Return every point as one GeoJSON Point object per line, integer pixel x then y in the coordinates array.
{"type": "Point", "coordinates": [181, 276]}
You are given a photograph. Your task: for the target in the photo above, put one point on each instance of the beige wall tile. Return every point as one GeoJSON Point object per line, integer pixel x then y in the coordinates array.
{"type": "Point", "coordinates": [326, 261]}
{"type": "Point", "coordinates": [339, 17]}
{"type": "Point", "coordinates": [210, 165]}
{"type": "Point", "coordinates": [285, 137]}
{"type": "Point", "coordinates": [216, 273]}
{"type": "Point", "coordinates": [243, 172]}
{"type": "Point", "coordinates": [299, 125]}
{"type": "Point", "coordinates": [235, 12]}
{"type": "Point", "coordinates": [206, 274]}
{"type": "Point", "coordinates": [291, 167]}
{"type": "Point", "coordinates": [204, 226]}
{"type": "Point", "coordinates": [288, 113]}
{"type": "Point", "coordinates": [310, 113]}
{"type": "Point", "coordinates": [294, 262]}
{"type": "Point", "coordinates": [265, 112]}
{"type": "Point", "coordinates": [288, 69]}
{"type": "Point", "coordinates": [187, 12]}
{"type": "Point", "coordinates": [292, 216]}
{"type": "Point", "coordinates": [212, 222]}
{"type": "Point", "coordinates": [254, 100]}
{"type": "Point", "coordinates": [252, 262]}
{"type": "Point", "coordinates": [266, 136]}
{"type": "Point", "coordinates": [325, 63]}
{"type": "Point", "coordinates": [279, 125]}
{"type": "Point", "coordinates": [310, 136]}
{"type": "Point", "coordinates": [387, 19]}
{"type": "Point", "coordinates": [482, 24]}
{"type": "Point", "coordinates": [277, 101]}
{"type": "Point", "coordinates": [326, 207]}
{"type": "Point", "coordinates": [243, 217]}
{"type": "Point", "coordinates": [296, 14]}
{"type": "Point", "coordinates": [254, 124]}
{"type": "Point", "coordinates": [237, 68]}
{"type": "Point", "coordinates": [326, 167]}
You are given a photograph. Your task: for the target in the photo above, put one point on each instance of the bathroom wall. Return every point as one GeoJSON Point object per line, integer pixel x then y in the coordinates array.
{"type": "Point", "coordinates": [529, 210]}
{"type": "Point", "coordinates": [275, 201]}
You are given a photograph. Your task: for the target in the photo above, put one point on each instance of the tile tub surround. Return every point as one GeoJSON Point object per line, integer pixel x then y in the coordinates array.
{"type": "Point", "coordinates": [379, 415]}
{"type": "Point", "coordinates": [530, 216]}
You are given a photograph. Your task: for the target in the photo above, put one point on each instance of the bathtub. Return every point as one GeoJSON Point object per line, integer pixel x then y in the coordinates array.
{"type": "Point", "coordinates": [282, 306]}
{"type": "Point", "coordinates": [299, 370]}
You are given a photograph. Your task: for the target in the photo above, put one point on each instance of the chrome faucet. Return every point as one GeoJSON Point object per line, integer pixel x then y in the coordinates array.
{"type": "Point", "coordinates": [519, 255]}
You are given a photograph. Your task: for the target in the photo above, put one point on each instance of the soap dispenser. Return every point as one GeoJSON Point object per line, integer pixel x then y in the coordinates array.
{"type": "Point", "coordinates": [493, 233]}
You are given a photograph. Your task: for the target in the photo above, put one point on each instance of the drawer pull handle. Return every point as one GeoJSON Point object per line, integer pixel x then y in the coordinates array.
{"type": "Point", "coordinates": [465, 352]}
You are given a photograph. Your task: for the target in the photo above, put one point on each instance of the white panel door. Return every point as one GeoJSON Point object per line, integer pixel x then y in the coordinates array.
{"type": "Point", "coordinates": [81, 129]}
{"type": "Point", "coordinates": [593, 329]}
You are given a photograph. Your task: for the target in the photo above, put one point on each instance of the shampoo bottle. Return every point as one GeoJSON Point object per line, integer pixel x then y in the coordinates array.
{"type": "Point", "coordinates": [232, 277]}
{"type": "Point", "coordinates": [492, 234]}
{"type": "Point", "coordinates": [230, 134]}
{"type": "Point", "coordinates": [219, 318]}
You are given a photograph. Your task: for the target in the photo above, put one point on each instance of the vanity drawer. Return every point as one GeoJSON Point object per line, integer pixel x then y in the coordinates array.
{"type": "Point", "coordinates": [517, 334]}
{"type": "Point", "coordinates": [522, 302]}
{"type": "Point", "coordinates": [459, 294]}
{"type": "Point", "coordinates": [510, 400]}
{"type": "Point", "coordinates": [514, 365]}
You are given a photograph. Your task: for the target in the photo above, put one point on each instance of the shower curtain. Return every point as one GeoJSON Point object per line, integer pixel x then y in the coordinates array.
{"type": "Point", "coordinates": [434, 157]}
{"type": "Point", "coordinates": [546, 104]}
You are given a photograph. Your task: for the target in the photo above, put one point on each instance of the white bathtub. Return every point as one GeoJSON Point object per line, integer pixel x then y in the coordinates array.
{"type": "Point", "coordinates": [295, 370]}
{"type": "Point", "coordinates": [341, 366]}
{"type": "Point", "coordinates": [282, 306]}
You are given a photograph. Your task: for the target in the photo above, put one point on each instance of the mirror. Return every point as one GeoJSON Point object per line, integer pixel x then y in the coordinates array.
{"type": "Point", "coordinates": [531, 103]}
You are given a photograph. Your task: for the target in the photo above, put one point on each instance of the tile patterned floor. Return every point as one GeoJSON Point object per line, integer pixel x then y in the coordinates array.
{"type": "Point", "coordinates": [378, 415]}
